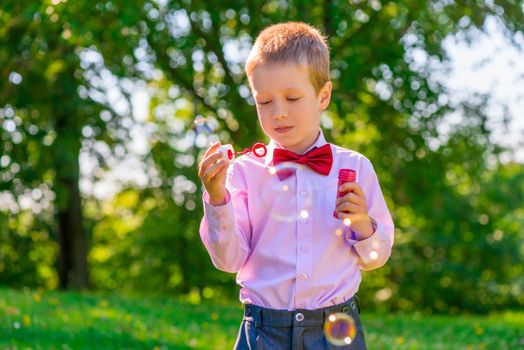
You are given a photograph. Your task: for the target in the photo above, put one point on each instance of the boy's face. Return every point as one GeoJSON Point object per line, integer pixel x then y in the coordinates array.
{"type": "Point", "coordinates": [287, 105]}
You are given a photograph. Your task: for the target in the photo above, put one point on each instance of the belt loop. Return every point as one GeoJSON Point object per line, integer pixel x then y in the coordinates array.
{"type": "Point", "coordinates": [327, 312]}
{"type": "Point", "coordinates": [357, 302]}
{"type": "Point", "coordinates": [257, 316]}
{"type": "Point", "coordinates": [254, 313]}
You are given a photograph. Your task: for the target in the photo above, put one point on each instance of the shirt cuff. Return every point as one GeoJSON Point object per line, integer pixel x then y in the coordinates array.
{"type": "Point", "coordinates": [370, 248]}
{"type": "Point", "coordinates": [220, 218]}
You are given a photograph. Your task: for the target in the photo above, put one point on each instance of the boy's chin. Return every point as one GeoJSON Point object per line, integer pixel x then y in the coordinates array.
{"type": "Point", "coordinates": [283, 142]}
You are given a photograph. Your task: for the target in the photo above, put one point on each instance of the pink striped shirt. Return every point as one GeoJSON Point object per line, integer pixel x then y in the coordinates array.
{"type": "Point", "coordinates": [281, 238]}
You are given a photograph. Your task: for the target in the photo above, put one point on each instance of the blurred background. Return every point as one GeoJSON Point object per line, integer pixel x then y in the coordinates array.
{"type": "Point", "coordinates": [106, 106]}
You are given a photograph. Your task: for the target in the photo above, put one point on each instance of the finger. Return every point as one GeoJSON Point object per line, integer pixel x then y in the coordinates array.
{"type": "Point", "coordinates": [353, 217]}
{"type": "Point", "coordinates": [343, 216]}
{"type": "Point", "coordinates": [350, 208]}
{"type": "Point", "coordinates": [353, 187]}
{"type": "Point", "coordinates": [219, 168]}
{"type": "Point", "coordinates": [208, 161]}
{"type": "Point", "coordinates": [212, 148]}
{"type": "Point", "coordinates": [350, 197]}
{"type": "Point", "coordinates": [221, 173]}
{"type": "Point", "coordinates": [211, 172]}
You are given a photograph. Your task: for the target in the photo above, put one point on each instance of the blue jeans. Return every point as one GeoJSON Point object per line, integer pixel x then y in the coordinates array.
{"type": "Point", "coordinates": [269, 329]}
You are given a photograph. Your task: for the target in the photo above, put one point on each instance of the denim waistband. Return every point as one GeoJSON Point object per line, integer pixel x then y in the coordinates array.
{"type": "Point", "coordinates": [297, 318]}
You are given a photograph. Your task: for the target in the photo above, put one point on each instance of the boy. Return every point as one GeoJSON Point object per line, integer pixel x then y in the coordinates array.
{"type": "Point", "coordinates": [275, 226]}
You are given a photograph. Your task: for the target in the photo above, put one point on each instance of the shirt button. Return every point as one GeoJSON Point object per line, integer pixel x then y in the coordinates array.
{"type": "Point", "coordinates": [304, 248]}
{"type": "Point", "coordinates": [303, 194]}
{"type": "Point", "coordinates": [303, 220]}
{"type": "Point", "coordinates": [303, 276]}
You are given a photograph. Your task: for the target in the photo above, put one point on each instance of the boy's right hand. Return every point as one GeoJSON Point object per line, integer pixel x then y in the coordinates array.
{"type": "Point", "coordinates": [212, 171]}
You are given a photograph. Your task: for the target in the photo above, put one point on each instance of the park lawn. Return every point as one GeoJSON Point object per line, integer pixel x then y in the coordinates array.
{"type": "Point", "coordinates": [65, 320]}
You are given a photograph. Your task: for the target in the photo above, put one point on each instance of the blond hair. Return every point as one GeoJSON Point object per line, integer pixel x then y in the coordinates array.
{"type": "Point", "coordinates": [292, 42]}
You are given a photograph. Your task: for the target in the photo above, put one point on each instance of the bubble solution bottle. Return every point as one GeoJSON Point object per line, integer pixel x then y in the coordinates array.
{"type": "Point", "coordinates": [344, 175]}
{"type": "Point", "coordinates": [227, 152]}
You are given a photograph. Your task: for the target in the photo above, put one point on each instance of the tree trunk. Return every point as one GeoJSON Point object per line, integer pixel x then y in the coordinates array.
{"type": "Point", "coordinates": [72, 237]}
{"type": "Point", "coordinates": [72, 271]}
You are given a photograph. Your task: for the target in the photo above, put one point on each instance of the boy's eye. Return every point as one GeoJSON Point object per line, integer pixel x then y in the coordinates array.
{"type": "Point", "coordinates": [264, 102]}
{"type": "Point", "coordinates": [293, 98]}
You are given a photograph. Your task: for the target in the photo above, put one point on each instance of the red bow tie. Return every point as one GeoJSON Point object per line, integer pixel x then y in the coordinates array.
{"type": "Point", "coordinates": [319, 159]}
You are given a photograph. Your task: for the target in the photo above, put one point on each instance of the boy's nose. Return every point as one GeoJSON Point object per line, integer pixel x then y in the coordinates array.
{"type": "Point", "coordinates": [279, 113]}
{"type": "Point", "coordinates": [279, 116]}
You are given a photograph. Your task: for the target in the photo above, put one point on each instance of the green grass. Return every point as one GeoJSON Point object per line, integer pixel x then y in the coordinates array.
{"type": "Point", "coordinates": [55, 320]}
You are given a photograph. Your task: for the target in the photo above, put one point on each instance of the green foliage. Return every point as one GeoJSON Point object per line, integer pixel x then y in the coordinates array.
{"type": "Point", "coordinates": [472, 249]}
{"type": "Point", "coordinates": [45, 320]}
{"type": "Point", "coordinates": [21, 264]}
{"type": "Point", "coordinates": [141, 245]}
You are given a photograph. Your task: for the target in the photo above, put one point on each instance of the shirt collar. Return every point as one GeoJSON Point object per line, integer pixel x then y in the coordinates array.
{"type": "Point", "coordinates": [320, 141]}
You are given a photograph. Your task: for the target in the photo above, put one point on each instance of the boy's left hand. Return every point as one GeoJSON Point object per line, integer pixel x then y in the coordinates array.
{"type": "Point", "coordinates": [353, 206]}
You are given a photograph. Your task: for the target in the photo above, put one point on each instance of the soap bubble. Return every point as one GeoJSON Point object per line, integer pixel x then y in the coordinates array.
{"type": "Point", "coordinates": [340, 329]}
{"type": "Point", "coordinates": [286, 169]}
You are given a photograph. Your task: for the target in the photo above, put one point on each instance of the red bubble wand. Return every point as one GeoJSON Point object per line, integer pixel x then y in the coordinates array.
{"type": "Point", "coordinates": [228, 153]}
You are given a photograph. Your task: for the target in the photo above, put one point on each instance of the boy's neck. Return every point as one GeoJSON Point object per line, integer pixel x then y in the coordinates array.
{"type": "Point", "coordinates": [304, 150]}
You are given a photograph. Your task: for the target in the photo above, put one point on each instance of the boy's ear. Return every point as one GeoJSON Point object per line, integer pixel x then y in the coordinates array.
{"type": "Point", "coordinates": [325, 95]}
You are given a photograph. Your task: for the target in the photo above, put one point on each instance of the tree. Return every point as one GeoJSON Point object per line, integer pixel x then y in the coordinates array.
{"type": "Point", "coordinates": [48, 106]}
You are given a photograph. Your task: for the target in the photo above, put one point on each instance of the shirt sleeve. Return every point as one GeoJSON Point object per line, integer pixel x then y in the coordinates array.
{"type": "Point", "coordinates": [375, 250]}
{"type": "Point", "coordinates": [225, 230]}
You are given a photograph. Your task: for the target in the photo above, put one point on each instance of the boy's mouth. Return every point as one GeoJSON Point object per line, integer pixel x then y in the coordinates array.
{"type": "Point", "coordinates": [283, 129]}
